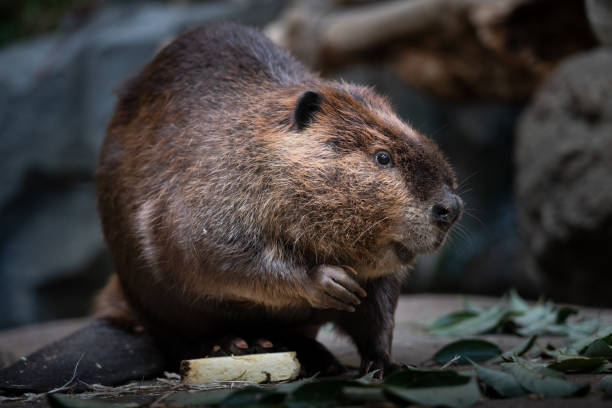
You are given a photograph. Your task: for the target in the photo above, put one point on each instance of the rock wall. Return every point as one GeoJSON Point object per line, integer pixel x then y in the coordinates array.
{"type": "Point", "coordinates": [564, 180]}
{"type": "Point", "coordinates": [56, 96]}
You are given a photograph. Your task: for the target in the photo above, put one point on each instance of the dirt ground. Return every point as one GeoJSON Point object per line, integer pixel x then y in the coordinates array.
{"type": "Point", "coordinates": [411, 345]}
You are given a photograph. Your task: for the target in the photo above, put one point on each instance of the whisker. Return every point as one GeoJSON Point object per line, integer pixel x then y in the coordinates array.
{"type": "Point", "coordinates": [451, 239]}
{"type": "Point", "coordinates": [460, 230]}
{"type": "Point", "coordinates": [464, 231]}
{"type": "Point", "coordinates": [465, 180]}
{"type": "Point", "coordinates": [477, 219]}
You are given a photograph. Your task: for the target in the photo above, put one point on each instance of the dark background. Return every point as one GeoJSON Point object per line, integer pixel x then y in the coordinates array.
{"type": "Point", "coordinates": [60, 62]}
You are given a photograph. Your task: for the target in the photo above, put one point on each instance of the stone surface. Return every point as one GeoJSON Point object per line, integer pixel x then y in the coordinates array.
{"type": "Point", "coordinates": [599, 13]}
{"type": "Point", "coordinates": [563, 180]}
{"type": "Point", "coordinates": [410, 345]}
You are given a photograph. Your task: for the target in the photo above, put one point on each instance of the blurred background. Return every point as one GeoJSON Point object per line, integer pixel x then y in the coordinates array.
{"type": "Point", "coordinates": [518, 93]}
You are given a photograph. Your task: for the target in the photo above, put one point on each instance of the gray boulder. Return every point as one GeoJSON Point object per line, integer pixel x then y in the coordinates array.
{"type": "Point", "coordinates": [564, 180]}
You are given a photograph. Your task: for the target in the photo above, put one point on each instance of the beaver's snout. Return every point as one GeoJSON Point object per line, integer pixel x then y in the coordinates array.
{"type": "Point", "coordinates": [447, 210]}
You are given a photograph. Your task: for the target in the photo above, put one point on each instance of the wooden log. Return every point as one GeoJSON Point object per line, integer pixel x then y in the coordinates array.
{"type": "Point", "coordinates": [455, 49]}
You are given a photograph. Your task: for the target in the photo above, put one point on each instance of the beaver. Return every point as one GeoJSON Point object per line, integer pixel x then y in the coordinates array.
{"type": "Point", "coordinates": [247, 201]}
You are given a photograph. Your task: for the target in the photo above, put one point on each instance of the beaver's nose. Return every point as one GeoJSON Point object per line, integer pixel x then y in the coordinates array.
{"type": "Point", "coordinates": [447, 211]}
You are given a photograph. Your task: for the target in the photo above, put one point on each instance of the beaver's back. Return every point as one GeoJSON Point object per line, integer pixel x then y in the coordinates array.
{"type": "Point", "coordinates": [210, 68]}
{"type": "Point", "coordinates": [180, 165]}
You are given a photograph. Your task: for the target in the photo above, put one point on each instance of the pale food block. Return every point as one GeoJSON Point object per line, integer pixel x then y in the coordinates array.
{"type": "Point", "coordinates": [268, 367]}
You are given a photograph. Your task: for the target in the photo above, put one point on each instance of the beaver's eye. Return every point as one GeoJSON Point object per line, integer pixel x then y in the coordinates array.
{"type": "Point", "coordinates": [383, 158]}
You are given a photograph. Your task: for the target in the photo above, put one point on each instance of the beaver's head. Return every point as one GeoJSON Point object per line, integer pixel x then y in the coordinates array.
{"type": "Point", "coordinates": [360, 186]}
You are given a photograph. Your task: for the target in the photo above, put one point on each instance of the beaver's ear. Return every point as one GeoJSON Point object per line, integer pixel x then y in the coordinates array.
{"type": "Point", "coordinates": [307, 105]}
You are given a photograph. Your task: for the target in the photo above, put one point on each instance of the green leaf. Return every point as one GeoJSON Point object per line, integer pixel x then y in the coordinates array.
{"type": "Point", "coordinates": [598, 348]}
{"type": "Point", "coordinates": [455, 396]}
{"type": "Point", "coordinates": [503, 383]}
{"type": "Point", "coordinates": [289, 387]}
{"type": "Point", "coordinates": [580, 346]}
{"type": "Point", "coordinates": [473, 349]}
{"type": "Point", "coordinates": [585, 326]}
{"type": "Point", "coordinates": [606, 386]}
{"type": "Point", "coordinates": [367, 378]}
{"type": "Point", "coordinates": [362, 395]}
{"type": "Point", "coordinates": [513, 315]}
{"type": "Point", "coordinates": [576, 364]}
{"type": "Point", "coordinates": [546, 382]}
{"type": "Point", "coordinates": [575, 330]}
{"type": "Point", "coordinates": [536, 314]}
{"type": "Point", "coordinates": [564, 312]}
{"type": "Point", "coordinates": [551, 352]}
{"type": "Point", "coordinates": [230, 397]}
{"type": "Point", "coordinates": [71, 401]}
{"type": "Point", "coordinates": [253, 397]}
{"type": "Point", "coordinates": [185, 399]}
{"type": "Point", "coordinates": [414, 378]}
{"type": "Point", "coordinates": [321, 393]}
{"type": "Point", "coordinates": [451, 319]}
{"type": "Point", "coordinates": [471, 307]}
{"type": "Point", "coordinates": [517, 350]}
{"type": "Point", "coordinates": [536, 320]}
{"type": "Point", "coordinates": [481, 323]}
{"type": "Point", "coordinates": [605, 334]}
{"type": "Point", "coordinates": [516, 303]}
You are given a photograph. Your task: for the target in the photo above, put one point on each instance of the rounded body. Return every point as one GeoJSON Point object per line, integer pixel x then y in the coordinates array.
{"type": "Point", "coordinates": [237, 191]}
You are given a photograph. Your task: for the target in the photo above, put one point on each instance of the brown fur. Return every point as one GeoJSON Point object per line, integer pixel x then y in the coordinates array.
{"type": "Point", "coordinates": [217, 210]}
{"type": "Point", "coordinates": [112, 302]}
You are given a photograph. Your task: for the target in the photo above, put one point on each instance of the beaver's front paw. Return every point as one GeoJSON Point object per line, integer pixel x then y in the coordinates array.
{"type": "Point", "coordinates": [383, 365]}
{"type": "Point", "coordinates": [334, 287]}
